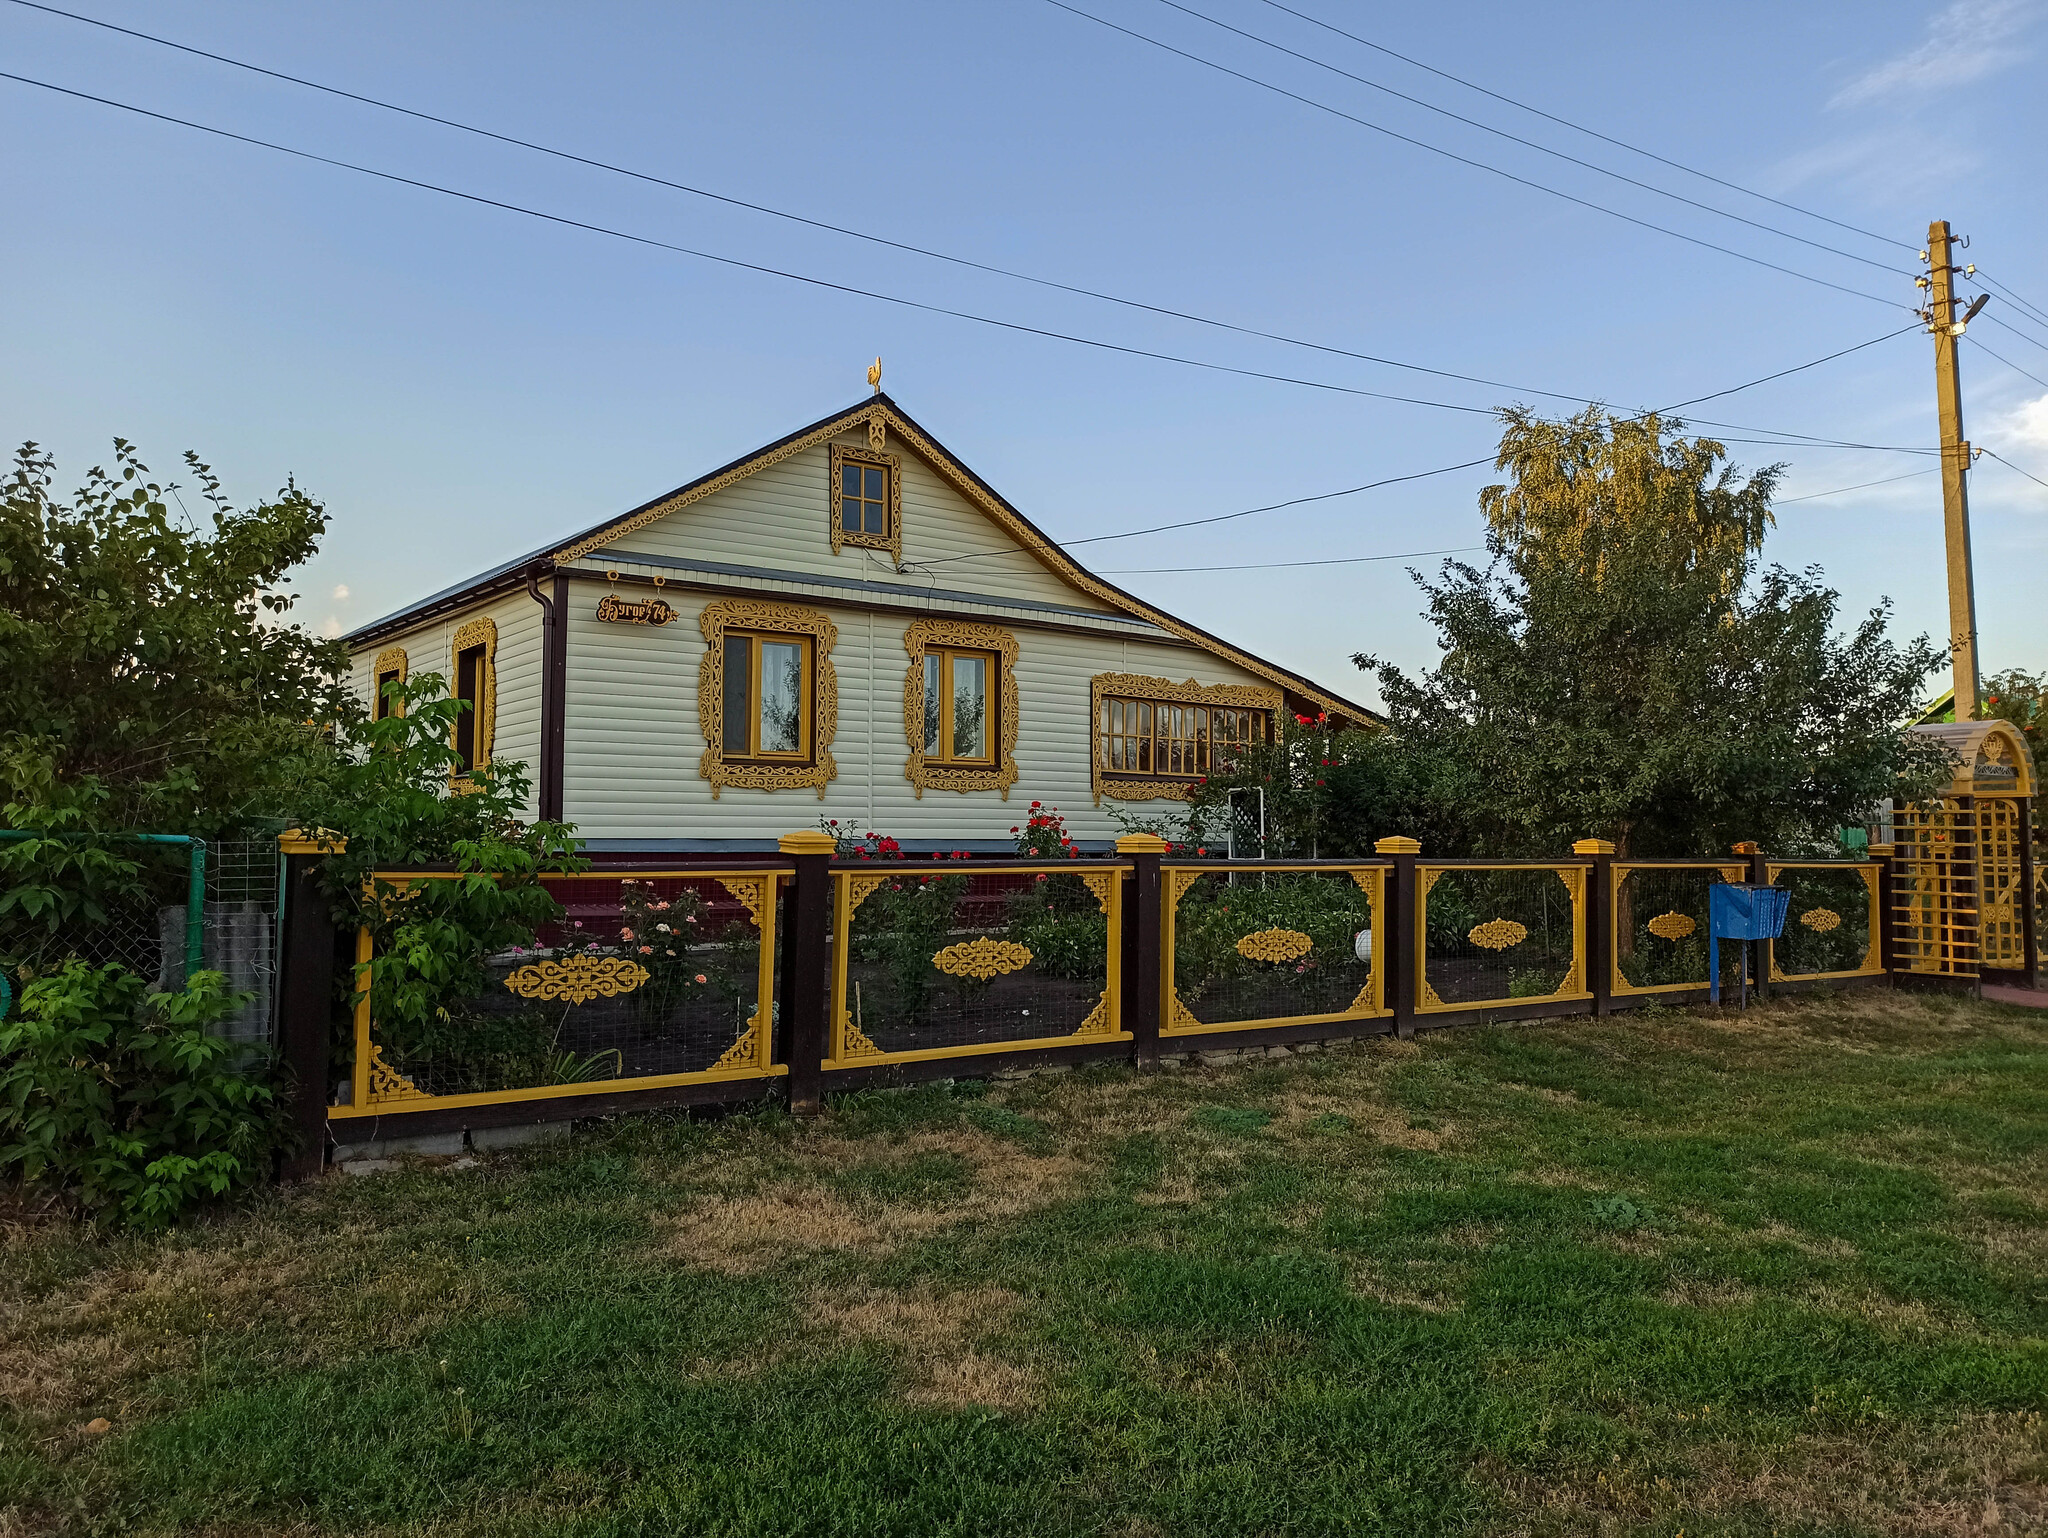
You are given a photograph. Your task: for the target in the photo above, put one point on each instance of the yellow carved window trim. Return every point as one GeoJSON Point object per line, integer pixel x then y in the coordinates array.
{"type": "Point", "coordinates": [390, 668]}
{"type": "Point", "coordinates": [816, 768]}
{"type": "Point", "coordinates": [1107, 690]}
{"type": "Point", "coordinates": [932, 640]}
{"type": "Point", "coordinates": [847, 456]}
{"type": "Point", "coordinates": [478, 724]}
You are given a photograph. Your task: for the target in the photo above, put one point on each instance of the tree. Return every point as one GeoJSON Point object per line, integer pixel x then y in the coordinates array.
{"type": "Point", "coordinates": [153, 682]}
{"type": "Point", "coordinates": [1626, 669]}
{"type": "Point", "coordinates": [2022, 698]}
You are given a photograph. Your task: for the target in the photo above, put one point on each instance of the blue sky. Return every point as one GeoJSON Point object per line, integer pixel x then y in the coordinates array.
{"type": "Point", "coordinates": [460, 384]}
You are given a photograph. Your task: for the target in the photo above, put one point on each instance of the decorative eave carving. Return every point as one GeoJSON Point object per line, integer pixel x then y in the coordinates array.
{"type": "Point", "coordinates": [847, 453]}
{"type": "Point", "coordinates": [1000, 775]}
{"type": "Point", "coordinates": [1139, 686]}
{"type": "Point", "coordinates": [789, 619]}
{"type": "Point", "coordinates": [878, 413]}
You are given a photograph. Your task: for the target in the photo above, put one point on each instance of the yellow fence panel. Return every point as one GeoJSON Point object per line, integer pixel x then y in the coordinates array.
{"type": "Point", "coordinates": [1659, 913]}
{"type": "Point", "coordinates": [1244, 946]}
{"type": "Point", "coordinates": [649, 979]}
{"type": "Point", "coordinates": [931, 961]}
{"type": "Point", "coordinates": [1833, 924]}
{"type": "Point", "coordinates": [1505, 934]}
{"type": "Point", "coordinates": [1934, 890]}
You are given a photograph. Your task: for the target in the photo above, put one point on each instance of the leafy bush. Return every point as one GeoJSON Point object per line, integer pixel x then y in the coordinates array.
{"type": "Point", "coordinates": [117, 1095]}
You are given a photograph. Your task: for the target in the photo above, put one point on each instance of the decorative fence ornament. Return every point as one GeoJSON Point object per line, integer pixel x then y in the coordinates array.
{"type": "Point", "coordinates": [982, 958]}
{"type": "Point", "coordinates": [1498, 934]}
{"type": "Point", "coordinates": [635, 611]}
{"type": "Point", "coordinates": [1672, 926]}
{"type": "Point", "coordinates": [1821, 920]}
{"type": "Point", "coordinates": [1275, 945]}
{"type": "Point", "coordinates": [577, 979]}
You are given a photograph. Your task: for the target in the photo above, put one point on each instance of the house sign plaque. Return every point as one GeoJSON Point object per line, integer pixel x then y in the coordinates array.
{"type": "Point", "coordinates": [635, 611]}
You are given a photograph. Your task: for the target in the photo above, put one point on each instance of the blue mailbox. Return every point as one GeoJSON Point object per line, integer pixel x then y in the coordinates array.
{"type": "Point", "coordinates": [1738, 910]}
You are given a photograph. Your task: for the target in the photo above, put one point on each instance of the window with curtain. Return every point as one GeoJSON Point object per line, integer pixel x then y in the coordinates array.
{"type": "Point", "coordinates": [1168, 740]}
{"type": "Point", "coordinates": [768, 696]}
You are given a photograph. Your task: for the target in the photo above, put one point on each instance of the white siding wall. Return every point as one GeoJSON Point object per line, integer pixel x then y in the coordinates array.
{"type": "Point", "coordinates": [633, 741]}
{"type": "Point", "coordinates": [429, 650]}
{"type": "Point", "coordinates": [780, 518]}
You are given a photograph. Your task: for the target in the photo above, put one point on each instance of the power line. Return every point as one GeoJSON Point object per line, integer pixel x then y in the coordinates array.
{"type": "Point", "coordinates": [1800, 368]}
{"type": "Point", "coordinates": [880, 240]}
{"type": "Point", "coordinates": [1860, 486]}
{"type": "Point", "coordinates": [1544, 149]}
{"type": "Point", "coordinates": [2027, 306]}
{"type": "Point", "coordinates": [1349, 560]}
{"type": "Point", "coordinates": [2016, 469]}
{"type": "Point", "coordinates": [1634, 149]}
{"type": "Point", "coordinates": [1309, 101]}
{"type": "Point", "coordinates": [796, 277]}
{"type": "Point", "coordinates": [2043, 383]}
{"type": "Point", "coordinates": [778, 213]}
{"type": "Point", "coordinates": [2024, 336]}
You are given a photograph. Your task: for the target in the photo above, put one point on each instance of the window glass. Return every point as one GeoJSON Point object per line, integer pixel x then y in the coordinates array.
{"type": "Point", "coordinates": [469, 668]}
{"type": "Point", "coordinates": [934, 665]}
{"type": "Point", "coordinates": [782, 697]}
{"type": "Point", "coordinates": [739, 663]}
{"type": "Point", "coordinates": [384, 703]}
{"type": "Point", "coordinates": [970, 707]}
{"type": "Point", "coordinates": [1171, 740]}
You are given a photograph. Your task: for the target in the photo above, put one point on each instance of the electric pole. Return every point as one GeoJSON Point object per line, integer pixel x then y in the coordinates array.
{"type": "Point", "coordinates": [1955, 465]}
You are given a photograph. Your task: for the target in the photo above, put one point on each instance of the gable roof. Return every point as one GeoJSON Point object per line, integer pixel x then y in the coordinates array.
{"type": "Point", "coordinates": [895, 421]}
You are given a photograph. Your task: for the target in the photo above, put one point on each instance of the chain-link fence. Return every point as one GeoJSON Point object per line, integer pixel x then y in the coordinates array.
{"type": "Point", "coordinates": [67, 908]}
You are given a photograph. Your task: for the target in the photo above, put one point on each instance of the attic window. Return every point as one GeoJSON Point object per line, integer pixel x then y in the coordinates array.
{"type": "Point", "coordinates": [867, 499]}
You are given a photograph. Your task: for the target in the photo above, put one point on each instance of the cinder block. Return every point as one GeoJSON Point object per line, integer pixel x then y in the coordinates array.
{"type": "Point", "coordinates": [491, 1139]}
{"type": "Point", "coordinates": [1279, 1052]}
{"type": "Point", "coordinates": [1215, 1059]}
{"type": "Point", "coordinates": [387, 1148]}
{"type": "Point", "coordinates": [1307, 1046]}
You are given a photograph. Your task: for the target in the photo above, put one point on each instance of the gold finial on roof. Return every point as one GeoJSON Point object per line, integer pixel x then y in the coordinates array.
{"type": "Point", "coordinates": [875, 376]}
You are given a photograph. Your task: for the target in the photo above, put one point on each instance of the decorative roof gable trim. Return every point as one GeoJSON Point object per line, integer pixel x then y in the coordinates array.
{"type": "Point", "coordinates": [881, 410]}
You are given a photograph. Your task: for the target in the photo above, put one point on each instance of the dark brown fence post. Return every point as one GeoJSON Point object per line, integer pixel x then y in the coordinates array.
{"type": "Point", "coordinates": [806, 955]}
{"type": "Point", "coordinates": [1759, 875]}
{"type": "Point", "coordinates": [1402, 961]}
{"type": "Point", "coordinates": [1601, 940]}
{"type": "Point", "coordinates": [305, 1000]}
{"type": "Point", "coordinates": [1143, 968]}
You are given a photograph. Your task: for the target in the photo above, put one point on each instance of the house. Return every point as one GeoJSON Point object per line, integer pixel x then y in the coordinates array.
{"type": "Point", "coordinates": [847, 623]}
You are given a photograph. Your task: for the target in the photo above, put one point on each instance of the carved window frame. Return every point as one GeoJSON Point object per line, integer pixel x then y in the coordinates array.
{"type": "Point", "coordinates": [389, 660]}
{"type": "Point", "coordinates": [1159, 691]}
{"type": "Point", "coordinates": [481, 631]}
{"type": "Point", "coordinates": [891, 539]}
{"type": "Point", "coordinates": [755, 615]}
{"type": "Point", "coordinates": [968, 636]}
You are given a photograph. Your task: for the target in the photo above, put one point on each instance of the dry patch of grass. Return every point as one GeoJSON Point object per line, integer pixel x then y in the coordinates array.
{"type": "Point", "coordinates": [937, 1336]}
{"type": "Point", "coordinates": [799, 1210]}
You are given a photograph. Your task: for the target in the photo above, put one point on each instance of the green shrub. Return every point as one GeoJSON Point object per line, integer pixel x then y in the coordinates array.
{"type": "Point", "coordinates": [117, 1096]}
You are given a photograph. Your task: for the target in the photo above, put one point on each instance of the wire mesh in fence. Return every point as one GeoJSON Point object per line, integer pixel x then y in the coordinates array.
{"type": "Point", "coordinates": [1500, 934]}
{"type": "Point", "coordinates": [1832, 927]}
{"type": "Point", "coordinates": [1660, 926]}
{"type": "Point", "coordinates": [1271, 945]}
{"type": "Point", "coordinates": [935, 961]}
{"type": "Point", "coordinates": [654, 977]}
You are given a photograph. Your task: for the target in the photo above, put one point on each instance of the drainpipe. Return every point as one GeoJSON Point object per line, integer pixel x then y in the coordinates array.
{"type": "Point", "coordinates": [551, 708]}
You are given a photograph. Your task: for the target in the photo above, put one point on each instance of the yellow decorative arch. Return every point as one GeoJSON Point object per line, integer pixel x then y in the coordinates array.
{"type": "Point", "coordinates": [481, 631]}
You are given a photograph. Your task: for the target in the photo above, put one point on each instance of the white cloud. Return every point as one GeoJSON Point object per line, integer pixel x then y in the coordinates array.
{"type": "Point", "coordinates": [1966, 41]}
{"type": "Point", "coordinates": [2025, 426]}
{"type": "Point", "coordinates": [332, 628]}
{"type": "Point", "coordinates": [340, 591]}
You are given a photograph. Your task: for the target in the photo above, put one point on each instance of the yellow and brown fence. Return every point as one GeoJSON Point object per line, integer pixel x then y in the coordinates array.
{"type": "Point", "coordinates": [796, 975]}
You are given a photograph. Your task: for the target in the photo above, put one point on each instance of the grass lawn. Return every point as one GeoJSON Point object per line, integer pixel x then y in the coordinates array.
{"type": "Point", "coordinates": [1779, 1273]}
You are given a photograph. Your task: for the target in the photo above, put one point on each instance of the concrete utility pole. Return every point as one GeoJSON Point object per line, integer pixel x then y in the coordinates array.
{"type": "Point", "coordinates": [1955, 467]}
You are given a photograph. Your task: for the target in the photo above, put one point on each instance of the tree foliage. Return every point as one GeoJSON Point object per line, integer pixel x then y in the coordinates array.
{"type": "Point", "coordinates": [393, 789]}
{"type": "Point", "coordinates": [1627, 668]}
